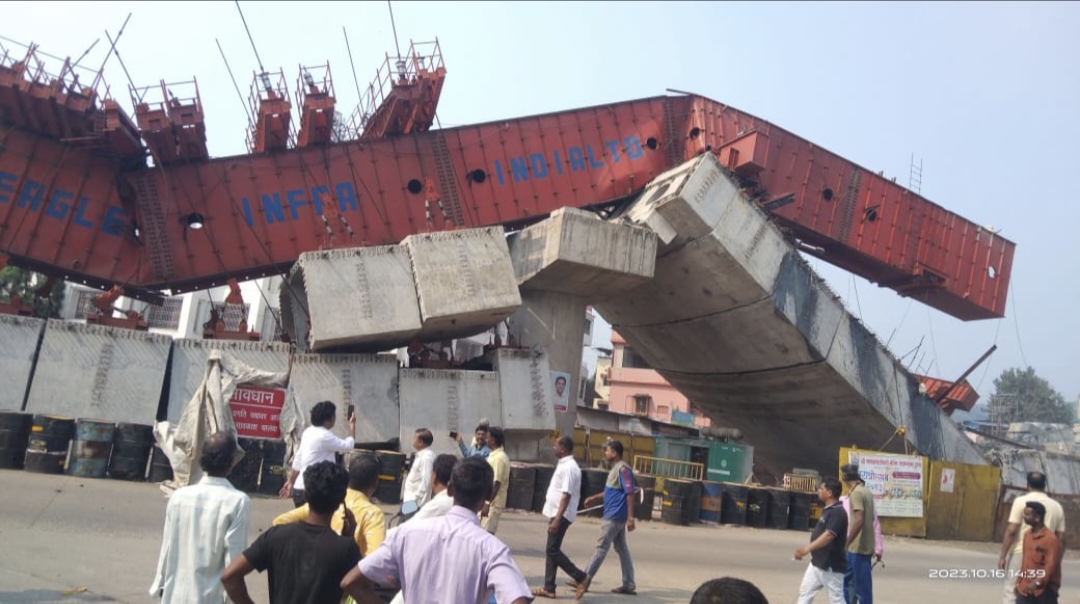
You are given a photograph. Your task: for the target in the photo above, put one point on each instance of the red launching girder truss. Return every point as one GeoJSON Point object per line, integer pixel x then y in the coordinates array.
{"type": "Point", "coordinates": [86, 215]}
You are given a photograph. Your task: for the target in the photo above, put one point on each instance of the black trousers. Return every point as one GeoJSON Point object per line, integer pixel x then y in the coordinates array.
{"type": "Point", "coordinates": [298, 498]}
{"type": "Point", "coordinates": [1047, 597]}
{"type": "Point", "coordinates": [556, 559]}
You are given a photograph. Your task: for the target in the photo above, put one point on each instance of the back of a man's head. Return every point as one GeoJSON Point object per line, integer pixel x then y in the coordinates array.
{"type": "Point", "coordinates": [325, 483]}
{"type": "Point", "coordinates": [1036, 481]}
{"type": "Point", "coordinates": [728, 590]}
{"type": "Point", "coordinates": [443, 468]}
{"type": "Point", "coordinates": [471, 482]}
{"type": "Point", "coordinates": [363, 473]}
{"type": "Point", "coordinates": [217, 454]}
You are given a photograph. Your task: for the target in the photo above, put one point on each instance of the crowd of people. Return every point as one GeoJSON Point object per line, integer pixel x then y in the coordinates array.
{"type": "Point", "coordinates": [334, 546]}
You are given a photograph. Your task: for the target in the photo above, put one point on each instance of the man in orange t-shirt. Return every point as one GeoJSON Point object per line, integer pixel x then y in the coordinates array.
{"type": "Point", "coordinates": [1040, 569]}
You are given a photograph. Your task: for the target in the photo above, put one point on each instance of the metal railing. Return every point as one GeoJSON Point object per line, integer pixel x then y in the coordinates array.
{"type": "Point", "coordinates": [668, 468]}
{"type": "Point", "coordinates": [422, 58]}
{"type": "Point", "coordinates": [65, 81]}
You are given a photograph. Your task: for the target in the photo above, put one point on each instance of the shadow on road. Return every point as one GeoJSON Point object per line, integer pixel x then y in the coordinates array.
{"type": "Point", "coordinates": [49, 596]}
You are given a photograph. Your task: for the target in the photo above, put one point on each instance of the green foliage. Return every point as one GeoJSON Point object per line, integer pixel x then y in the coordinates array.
{"type": "Point", "coordinates": [17, 281]}
{"type": "Point", "coordinates": [1022, 396]}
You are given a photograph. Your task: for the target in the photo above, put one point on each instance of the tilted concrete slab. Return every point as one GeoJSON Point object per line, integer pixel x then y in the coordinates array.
{"type": "Point", "coordinates": [19, 340]}
{"type": "Point", "coordinates": [465, 281]}
{"type": "Point", "coordinates": [525, 389]}
{"type": "Point", "coordinates": [360, 298]}
{"type": "Point", "coordinates": [98, 372]}
{"type": "Point", "coordinates": [738, 322]}
{"type": "Point", "coordinates": [188, 365]}
{"type": "Point", "coordinates": [442, 400]}
{"type": "Point", "coordinates": [369, 382]}
{"type": "Point", "coordinates": [575, 252]}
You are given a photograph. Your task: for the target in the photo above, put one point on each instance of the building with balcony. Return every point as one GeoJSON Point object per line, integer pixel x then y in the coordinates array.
{"type": "Point", "coordinates": [634, 388]}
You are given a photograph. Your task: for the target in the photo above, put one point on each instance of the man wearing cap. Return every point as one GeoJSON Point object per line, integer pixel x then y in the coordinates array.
{"type": "Point", "coordinates": [860, 543]}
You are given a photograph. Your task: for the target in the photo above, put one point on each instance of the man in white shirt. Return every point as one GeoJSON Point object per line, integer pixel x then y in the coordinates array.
{"type": "Point", "coordinates": [418, 482]}
{"type": "Point", "coordinates": [1014, 533]}
{"type": "Point", "coordinates": [317, 443]}
{"type": "Point", "coordinates": [560, 508]}
{"type": "Point", "coordinates": [206, 527]}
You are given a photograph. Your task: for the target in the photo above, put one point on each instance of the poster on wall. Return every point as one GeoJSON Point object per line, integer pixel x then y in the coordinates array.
{"type": "Point", "coordinates": [256, 411]}
{"type": "Point", "coordinates": [895, 480]}
{"type": "Point", "coordinates": [560, 383]}
{"type": "Point", "coordinates": [948, 479]}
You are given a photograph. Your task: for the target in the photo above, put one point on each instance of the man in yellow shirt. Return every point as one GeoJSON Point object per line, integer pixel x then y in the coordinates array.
{"type": "Point", "coordinates": [500, 463]}
{"type": "Point", "coordinates": [370, 521]}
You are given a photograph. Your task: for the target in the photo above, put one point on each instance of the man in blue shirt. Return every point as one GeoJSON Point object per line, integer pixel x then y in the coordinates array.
{"type": "Point", "coordinates": [479, 446]}
{"type": "Point", "coordinates": [618, 519]}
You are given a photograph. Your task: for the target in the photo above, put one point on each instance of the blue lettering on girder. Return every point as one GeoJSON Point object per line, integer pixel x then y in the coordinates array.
{"type": "Point", "coordinates": [58, 204]}
{"type": "Point", "coordinates": [538, 166]}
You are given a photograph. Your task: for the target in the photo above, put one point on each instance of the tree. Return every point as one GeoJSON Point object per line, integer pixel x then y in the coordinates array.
{"type": "Point", "coordinates": [1021, 396]}
{"type": "Point", "coordinates": [24, 283]}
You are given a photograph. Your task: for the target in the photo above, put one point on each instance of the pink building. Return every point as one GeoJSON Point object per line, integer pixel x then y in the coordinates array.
{"type": "Point", "coordinates": [636, 389]}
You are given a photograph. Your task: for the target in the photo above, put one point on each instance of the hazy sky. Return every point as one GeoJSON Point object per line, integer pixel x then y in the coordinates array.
{"type": "Point", "coordinates": [986, 95]}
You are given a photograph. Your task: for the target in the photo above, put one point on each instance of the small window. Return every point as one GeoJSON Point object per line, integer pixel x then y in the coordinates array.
{"type": "Point", "coordinates": [641, 404]}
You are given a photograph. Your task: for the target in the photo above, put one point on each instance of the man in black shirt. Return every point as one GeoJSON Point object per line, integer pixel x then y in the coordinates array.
{"type": "Point", "coordinates": [828, 561]}
{"type": "Point", "coordinates": [306, 560]}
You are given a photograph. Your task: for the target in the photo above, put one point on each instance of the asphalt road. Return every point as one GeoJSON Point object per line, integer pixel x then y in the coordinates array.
{"type": "Point", "coordinates": [71, 540]}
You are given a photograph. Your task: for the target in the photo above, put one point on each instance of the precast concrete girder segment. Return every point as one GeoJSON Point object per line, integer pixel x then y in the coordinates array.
{"type": "Point", "coordinates": [739, 323]}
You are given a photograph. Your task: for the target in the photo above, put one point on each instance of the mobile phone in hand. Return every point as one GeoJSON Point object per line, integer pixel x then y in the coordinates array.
{"type": "Point", "coordinates": [453, 434]}
{"type": "Point", "coordinates": [351, 412]}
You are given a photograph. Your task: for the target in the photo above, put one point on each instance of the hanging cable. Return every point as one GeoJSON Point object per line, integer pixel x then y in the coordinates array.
{"type": "Point", "coordinates": [1016, 324]}
{"type": "Point", "coordinates": [394, 28]}
{"type": "Point", "coordinates": [239, 95]}
{"type": "Point", "coordinates": [250, 39]}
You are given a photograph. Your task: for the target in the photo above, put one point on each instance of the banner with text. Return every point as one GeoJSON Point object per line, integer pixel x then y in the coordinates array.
{"type": "Point", "coordinates": [257, 411]}
{"type": "Point", "coordinates": [895, 480]}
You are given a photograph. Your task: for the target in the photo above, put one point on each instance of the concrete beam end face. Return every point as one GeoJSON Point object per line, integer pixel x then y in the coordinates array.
{"type": "Point", "coordinates": [689, 201]}
{"type": "Point", "coordinates": [525, 389]}
{"type": "Point", "coordinates": [99, 372]}
{"type": "Point", "coordinates": [369, 382]}
{"type": "Point", "coordinates": [360, 297]}
{"type": "Point", "coordinates": [465, 281]}
{"type": "Point", "coordinates": [20, 337]}
{"type": "Point", "coordinates": [578, 254]}
{"type": "Point", "coordinates": [442, 400]}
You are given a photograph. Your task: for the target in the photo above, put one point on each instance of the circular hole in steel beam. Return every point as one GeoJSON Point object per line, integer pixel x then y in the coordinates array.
{"type": "Point", "coordinates": [478, 175]}
{"type": "Point", "coordinates": [991, 272]}
{"type": "Point", "coordinates": [695, 132]}
{"type": "Point", "coordinates": [652, 143]}
{"type": "Point", "coordinates": [415, 186]}
{"type": "Point", "coordinates": [827, 194]}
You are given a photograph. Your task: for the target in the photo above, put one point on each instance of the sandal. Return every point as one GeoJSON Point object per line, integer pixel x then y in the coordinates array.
{"type": "Point", "coordinates": [624, 591]}
{"type": "Point", "coordinates": [540, 592]}
{"type": "Point", "coordinates": [582, 587]}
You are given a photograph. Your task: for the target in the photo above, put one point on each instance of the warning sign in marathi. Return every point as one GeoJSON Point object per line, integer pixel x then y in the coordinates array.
{"type": "Point", "coordinates": [256, 412]}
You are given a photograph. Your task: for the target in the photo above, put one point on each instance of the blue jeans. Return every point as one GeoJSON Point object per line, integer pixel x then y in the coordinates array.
{"type": "Point", "coordinates": [613, 532]}
{"type": "Point", "coordinates": [857, 583]}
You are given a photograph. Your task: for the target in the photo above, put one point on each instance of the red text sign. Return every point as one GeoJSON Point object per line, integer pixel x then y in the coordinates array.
{"type": "Point", "coordinates": [256, 412]}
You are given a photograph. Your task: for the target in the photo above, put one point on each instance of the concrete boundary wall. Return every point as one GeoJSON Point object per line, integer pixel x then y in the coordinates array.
{"type": "Point", "coordinates": [19, 341]}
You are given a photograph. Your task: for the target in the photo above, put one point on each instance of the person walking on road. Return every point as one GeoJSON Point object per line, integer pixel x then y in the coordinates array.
{"type": "Point", "coordinates": [1054, 519]}
{"type": "Point", "coordinates": [617, 521]}
{"type": "Point", "coordinates": [858, 583]}
{"type": "Point", "coordinates": [560, 509]}
{"type": "Point", "coordinates": [828, 560]}
{"type": "Point", "coordinates": [1040, 570]}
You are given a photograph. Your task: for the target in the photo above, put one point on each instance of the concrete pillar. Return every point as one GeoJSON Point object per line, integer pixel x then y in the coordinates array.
{"type": "Point", "coordinates": [563, 264]}
{"type": "Point", "coordinates": [555, 323]}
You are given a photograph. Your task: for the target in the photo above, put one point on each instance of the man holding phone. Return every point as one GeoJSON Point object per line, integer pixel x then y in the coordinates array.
{"type": "Point", "coordinates": [479, 446]}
